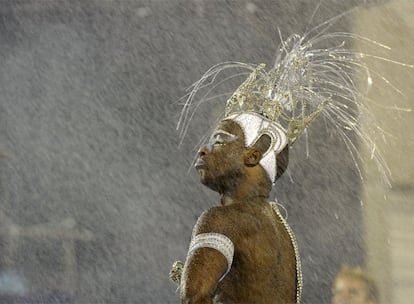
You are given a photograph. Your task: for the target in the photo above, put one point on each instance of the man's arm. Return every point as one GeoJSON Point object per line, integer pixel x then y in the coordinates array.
{"type": "Point", "coordinates": [209, 258]}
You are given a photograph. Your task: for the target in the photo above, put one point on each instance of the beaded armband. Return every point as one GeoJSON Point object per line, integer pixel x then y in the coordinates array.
{"type": "Point", "coordinates": [217, 241]}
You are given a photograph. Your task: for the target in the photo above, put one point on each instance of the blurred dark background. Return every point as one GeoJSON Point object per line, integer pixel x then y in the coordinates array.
{"type": "Point", "coordinates": [96, 201]}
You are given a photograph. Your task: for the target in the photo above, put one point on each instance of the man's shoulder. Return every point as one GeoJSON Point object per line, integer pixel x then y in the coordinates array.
{"type": "Point", "coordinates": [216, 219]}
{"type": "Point", "coordinates": [223, 219]}
{"type": "Point", "coordinates": [219, 213]}
{"type": "Point", "coordinates": [215, 214]}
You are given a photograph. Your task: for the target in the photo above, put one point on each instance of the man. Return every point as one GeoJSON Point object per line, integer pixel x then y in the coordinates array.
{"type": "Point", "coordinates": [260, 265]}
{"type": "Point", "coordinates": [243, 251]}
{"type": "Point", "coordinates": [354, 286]}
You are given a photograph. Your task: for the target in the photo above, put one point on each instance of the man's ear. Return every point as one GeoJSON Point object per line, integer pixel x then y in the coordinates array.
{"type": "Point", "coordinates": [251, 157]}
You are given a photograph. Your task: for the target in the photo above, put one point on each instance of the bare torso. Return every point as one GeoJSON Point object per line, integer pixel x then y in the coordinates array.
{"type": "Point", "coordinates": [263, 269]}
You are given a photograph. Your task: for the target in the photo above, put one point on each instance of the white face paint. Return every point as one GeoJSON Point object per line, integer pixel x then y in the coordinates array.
{"type": "Point", "coordinates": [220, 137]}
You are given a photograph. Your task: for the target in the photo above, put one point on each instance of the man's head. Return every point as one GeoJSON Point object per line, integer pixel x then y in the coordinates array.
{"type": "Point", "coordinates": [238, 151]}
{"type": "Point", "coordinates": [354, 286]}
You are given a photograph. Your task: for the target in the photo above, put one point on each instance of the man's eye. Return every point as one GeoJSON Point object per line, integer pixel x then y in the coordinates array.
{"type": "Point", "coordinates": [218, 140]}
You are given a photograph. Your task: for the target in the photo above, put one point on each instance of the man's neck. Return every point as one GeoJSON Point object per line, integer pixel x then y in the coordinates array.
{"type": "Point", "coordinates": [247, 192]}
{"type": "Point", "coordinates": [252, 186]}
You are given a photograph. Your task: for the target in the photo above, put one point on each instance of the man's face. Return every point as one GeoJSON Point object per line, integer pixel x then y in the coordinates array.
{"type": "Point", "coordinates": [220, 162]}
{"type": "Point", "coordinates": [349, 290]}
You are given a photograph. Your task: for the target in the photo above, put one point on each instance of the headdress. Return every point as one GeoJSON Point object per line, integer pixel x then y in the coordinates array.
{"type": "Point", "coordinates": [282, 101]}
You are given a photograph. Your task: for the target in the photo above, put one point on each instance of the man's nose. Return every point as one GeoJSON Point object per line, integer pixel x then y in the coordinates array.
{"type": "Point", "coordinates": [202, 151]}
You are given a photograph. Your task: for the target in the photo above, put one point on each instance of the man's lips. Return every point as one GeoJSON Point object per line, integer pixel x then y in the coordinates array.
{"type": "Point", "coordinates": [200, 164]}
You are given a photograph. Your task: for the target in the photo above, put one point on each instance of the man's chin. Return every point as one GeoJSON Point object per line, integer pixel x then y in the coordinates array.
{"type": "Point", "coordinates": [211, 185]}
{"type": "Point", "coordinates": [205, 180]}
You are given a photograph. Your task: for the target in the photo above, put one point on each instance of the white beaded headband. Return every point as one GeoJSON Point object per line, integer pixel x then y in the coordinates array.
{"type": "Point", "coordinates": [254, 126]}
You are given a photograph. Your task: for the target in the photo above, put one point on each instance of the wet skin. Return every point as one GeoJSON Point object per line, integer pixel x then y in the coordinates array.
{"type": "Point", "coordinates": [263, 269]}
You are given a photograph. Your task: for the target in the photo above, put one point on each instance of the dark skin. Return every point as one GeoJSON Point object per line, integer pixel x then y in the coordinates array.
{"type": "Point", "coordinates": [263, 269]}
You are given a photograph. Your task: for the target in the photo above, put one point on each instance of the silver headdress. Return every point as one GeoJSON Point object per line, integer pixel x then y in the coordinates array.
{"type": "Point", "coordinates": [304, 83]}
